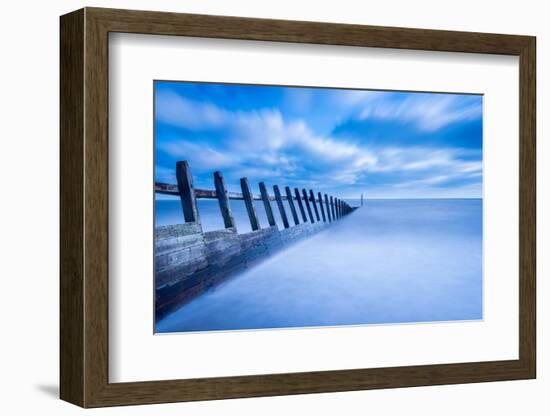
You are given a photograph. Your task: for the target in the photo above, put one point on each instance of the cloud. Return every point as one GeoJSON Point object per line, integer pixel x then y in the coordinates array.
{"type": "Point", "coordinates": [263, 144]}
{"type": "Point", "coordinates": [204, 157]}
{"type": "Point", "coordinates": [172, 108]}
{"type": "Point", "coordinates": [429, 112]}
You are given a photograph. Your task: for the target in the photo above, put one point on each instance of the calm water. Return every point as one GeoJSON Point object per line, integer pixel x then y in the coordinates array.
{"type": "Point", "coordinates": [391, 261]}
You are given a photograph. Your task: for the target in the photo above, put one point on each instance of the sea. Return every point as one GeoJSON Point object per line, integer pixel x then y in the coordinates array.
{"type": "Point", "coordinates": [391, 261]}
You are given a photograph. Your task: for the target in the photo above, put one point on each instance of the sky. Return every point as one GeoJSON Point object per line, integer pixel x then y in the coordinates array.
{"type": "Point", "coordinates": [382, 144]}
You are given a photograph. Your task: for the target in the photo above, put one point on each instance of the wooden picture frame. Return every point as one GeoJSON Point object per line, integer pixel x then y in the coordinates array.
{"type": "Point", "coordinates": [84, 207]}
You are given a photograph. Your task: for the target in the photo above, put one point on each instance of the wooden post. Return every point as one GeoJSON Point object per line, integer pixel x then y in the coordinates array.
{"type": "Point", "coordinates": [332, 209]}
{"type": "Point", "coordinates": [321, 206]}
{"type": "Point", "coordinates": [187, 192]}
{"type": "Point", "coordinates": [292, 207]}
{"type": "Point", "coordinates": [361, 199]}
{"type": "Point", "coordinates": [328, 208]}
{"type": "Point", "coordinates": [312, 199]}
{"type": "Point", "coordinates": [308, 207]}
{"type": "Point", "coordinates": [223, 200]}
{"type": "Point", "coordinates": [280, 204]}
{"type": "Point", "coordinates": [300, 205]}
{"type": "Point", "coordinates": [247, 196]}
{"type": "Point", "coordinates": [267, 205]}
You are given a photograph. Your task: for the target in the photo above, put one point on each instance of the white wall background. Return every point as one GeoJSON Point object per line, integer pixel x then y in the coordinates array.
{"type": "Point", "coordinates": [29, 221]}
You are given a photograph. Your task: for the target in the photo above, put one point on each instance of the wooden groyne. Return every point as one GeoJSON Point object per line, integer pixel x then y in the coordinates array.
{"type": "Point", "coordinates": [189, 261]}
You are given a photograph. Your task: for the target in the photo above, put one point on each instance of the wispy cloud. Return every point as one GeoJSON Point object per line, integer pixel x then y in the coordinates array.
{"type": "Point", "coordinates": [428, 111]}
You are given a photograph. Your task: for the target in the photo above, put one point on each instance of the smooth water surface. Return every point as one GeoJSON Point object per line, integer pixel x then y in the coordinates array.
{"type": "Point", "coordinates": [390, 261]}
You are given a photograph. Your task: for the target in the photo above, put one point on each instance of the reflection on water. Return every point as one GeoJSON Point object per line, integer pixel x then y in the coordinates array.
{"type": "Point", "coordinates": [391, 261]}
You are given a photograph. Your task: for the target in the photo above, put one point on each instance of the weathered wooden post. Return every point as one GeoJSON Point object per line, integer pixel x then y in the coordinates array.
{"type": "Point", "coordinates": [187, 192]}
{"type": "Point", "coordinates": [312, 198]}
{"type": "Point", "coordinates": [223, 200]}
{"type": "Point", "coordinates": [361, 199]}
{"type": "Point", "coordinates": [291, 204]}
{"type": "Point", "coordinates": [249, 203]}
{"type": "Point", "coordinates": [308, 207]}
{"type": "Point", "coordinates": [332, 208]}
{"type": "Point", "coordinates": [321, 206]}
{"type": "Point", "coordinates": [300, 205]}
{"type": "Point", "coordinates": [328, 208]}
{"type": "Point", "coordinates": [267, 205]}
{"type": "Point", "coordinates": [280, 204]}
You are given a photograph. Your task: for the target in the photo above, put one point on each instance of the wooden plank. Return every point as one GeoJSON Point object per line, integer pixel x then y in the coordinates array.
{"type": "Point", "coordinates": [267, 205]}
{"type": "Point", "coordinates": [277, 193]}
{"type": "Point", "coordinates": [328, 208]}
{"type": "Point", "coordinates": [308, 206]}
{"type": "Point", "coordinates": [300, 204]}
{"type": "Point", "coordinates": [223, 200]}
{"type": "Point", "coordinates": [187, 192]}
{"type": "Point", "coordinates": [291, 204]}
{"type": "Point", "coordinates": [321, 206]}
{"type": "Point", "coordinates": [171, 189]}
{"type": "Point", "coordinates": [249, 203]}
{"type": "Point", "coordinates": [314, 203]}
{"type": "Point", "coordinates": [332, 208]}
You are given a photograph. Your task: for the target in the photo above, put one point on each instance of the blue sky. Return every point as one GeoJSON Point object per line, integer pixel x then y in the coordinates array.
{"type": "Point", "coordinates": [343, 142]}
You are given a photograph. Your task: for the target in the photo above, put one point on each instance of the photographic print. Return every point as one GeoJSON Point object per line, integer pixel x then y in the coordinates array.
{"type": "Point", "coordinates": [295, 207]}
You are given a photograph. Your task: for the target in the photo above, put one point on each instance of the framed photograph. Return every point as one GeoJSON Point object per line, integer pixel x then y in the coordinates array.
{"type": "Point", "coordinates": [255, 207]}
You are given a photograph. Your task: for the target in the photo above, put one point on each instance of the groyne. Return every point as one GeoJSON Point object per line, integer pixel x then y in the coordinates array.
{"type": "Point", "coordinates": [189, 261]}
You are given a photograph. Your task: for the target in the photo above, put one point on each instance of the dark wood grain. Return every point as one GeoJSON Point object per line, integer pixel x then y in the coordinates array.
{"type": "Point", "coordinates": [223, 200]}
{"type": "Point", "coordinates": [279, 200]}
{"type": "Point", "coordinates": [249, 203]}
{"type": "Point", "coordinates": [267, 204]}
{"type": "Point", "coordinates": [308, 206]}
{"type": "Point", "coordinates": [84, 207]}
{"type": "Point", "coordinates": [290, 200]}
{"type": "Point", "coordinates": [300, 204]}
{"type": "Point", "coordinates": [71, 209]}
{"type": "Point", "coordinates": [314, 204]}
{"type": "Point", "coordinates": [321, 206]}
{"type": "Point", "coordinates": [329, 215]}
{"type": "Point", "coordinates": [187, 192]}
